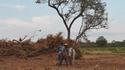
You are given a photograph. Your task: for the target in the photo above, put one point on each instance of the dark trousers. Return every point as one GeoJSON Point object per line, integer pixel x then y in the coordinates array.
{"type": "Point", "coordinates": [62, 58]}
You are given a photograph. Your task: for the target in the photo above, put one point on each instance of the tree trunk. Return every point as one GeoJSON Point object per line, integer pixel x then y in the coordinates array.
{"type": "Point", "coordinates": [68, 34]}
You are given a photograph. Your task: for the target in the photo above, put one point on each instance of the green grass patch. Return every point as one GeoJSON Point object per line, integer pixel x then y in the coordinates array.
{"type": "Point", "coordinates": [103, 50]}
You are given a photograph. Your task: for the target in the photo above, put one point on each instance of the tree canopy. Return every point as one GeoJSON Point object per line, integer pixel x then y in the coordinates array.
{"type": "Point", "coordinates": [92, 12]}
{"type": "Point", "coordinates": [101, 41]}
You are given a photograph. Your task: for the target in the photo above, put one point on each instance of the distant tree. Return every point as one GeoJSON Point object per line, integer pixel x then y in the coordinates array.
{"type": "Point", "coordinates": [118, 43]}
{"type": "Point", "coordinates": [123, 41]}
{"type": "Point", "coordinates": [92, 13]}
{"type": "Point", "coordinates": [113, 41]}
{"type": "Point", "coordinates": [101, 41]}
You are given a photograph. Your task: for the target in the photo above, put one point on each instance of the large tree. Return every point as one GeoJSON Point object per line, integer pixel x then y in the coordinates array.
{"type": "Point", "coordinates": [91, 11]}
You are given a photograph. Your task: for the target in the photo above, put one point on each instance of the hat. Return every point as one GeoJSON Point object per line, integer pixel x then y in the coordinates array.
{"type": "Point", "coordinates": [65, 44]}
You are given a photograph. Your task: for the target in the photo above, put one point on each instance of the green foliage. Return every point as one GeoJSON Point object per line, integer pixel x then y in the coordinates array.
{"type": "Point", "coordinates": [117, 43]}
{"type": "Point", "coordinates": [101, 41]}
{"type": "Point", "coordinates": [103, 50]}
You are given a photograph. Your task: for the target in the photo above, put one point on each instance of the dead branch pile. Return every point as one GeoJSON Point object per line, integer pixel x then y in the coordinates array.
{"type": "Point", "coordinates": [26, 48]}
{"type": "Point", "coordinates": [16, 48]}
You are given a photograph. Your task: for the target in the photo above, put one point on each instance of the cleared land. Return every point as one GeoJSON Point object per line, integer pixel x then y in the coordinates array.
{"type": "Point", "coordinates": [48, 62]}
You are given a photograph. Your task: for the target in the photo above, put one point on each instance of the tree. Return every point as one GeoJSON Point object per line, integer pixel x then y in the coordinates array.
{"type": "Point", "coordinates": [91, 11]}
{"type": "Point", "coordinates": [101, 41]}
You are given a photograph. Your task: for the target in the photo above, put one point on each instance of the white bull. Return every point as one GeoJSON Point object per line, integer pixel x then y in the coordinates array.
{"type": "Point", "coordinates": [72, 55]}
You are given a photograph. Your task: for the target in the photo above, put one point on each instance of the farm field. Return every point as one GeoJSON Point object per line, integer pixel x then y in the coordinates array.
{"type": "Point", "coordinates": [48, 62]}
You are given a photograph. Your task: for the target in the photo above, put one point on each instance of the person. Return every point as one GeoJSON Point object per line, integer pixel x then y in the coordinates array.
{"type": "Point", "coordinates": [65, 54]}
{"type": "Point", "coordinates": [60, 50]}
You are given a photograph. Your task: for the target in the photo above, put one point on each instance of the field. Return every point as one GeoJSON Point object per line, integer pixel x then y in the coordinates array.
{"type": "Point", "coordinates": [99, 60]}
{"type": "Point", "coordinates": [103, 50]}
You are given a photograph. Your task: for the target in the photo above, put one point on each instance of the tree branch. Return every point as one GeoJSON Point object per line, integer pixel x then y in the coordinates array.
{"type": "Point", "coordinates": [59, 14]}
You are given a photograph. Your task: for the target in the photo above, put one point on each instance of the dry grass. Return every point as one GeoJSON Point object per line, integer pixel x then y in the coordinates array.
{"type": "Point", "coordinates": [48, 62]}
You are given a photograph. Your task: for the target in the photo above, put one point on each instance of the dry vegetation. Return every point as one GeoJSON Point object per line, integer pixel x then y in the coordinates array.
{"type": "Point", "coordinates": [27, 48]}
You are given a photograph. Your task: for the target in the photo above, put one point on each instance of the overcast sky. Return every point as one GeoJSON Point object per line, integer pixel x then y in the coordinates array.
{"type": "Point", "coordinates": [23, 17]}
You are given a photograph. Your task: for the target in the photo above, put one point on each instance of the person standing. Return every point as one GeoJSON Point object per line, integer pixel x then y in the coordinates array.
{"type": "Point", "coordinates": [60, 50]}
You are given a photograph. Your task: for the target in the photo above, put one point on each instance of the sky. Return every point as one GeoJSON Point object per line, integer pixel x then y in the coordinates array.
{"type": "Point", "coordinates": [24, 17]}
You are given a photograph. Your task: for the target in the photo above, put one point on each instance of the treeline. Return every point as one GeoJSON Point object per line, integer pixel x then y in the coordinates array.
{"type": "Point", "coordinates": [102, 42]}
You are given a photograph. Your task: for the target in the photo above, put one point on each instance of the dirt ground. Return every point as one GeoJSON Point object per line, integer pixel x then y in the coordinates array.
{"type": "Point", "coordinates": [48, 62]}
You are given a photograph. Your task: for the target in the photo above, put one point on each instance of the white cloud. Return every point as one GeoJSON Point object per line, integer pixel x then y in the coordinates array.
{"type": "Point", "coordinates": [15, 28]}
{"type": "Point", "coordinates": [15, 23]}
{"type": "Point", "coordinates": [114, 32]}
{"type": "Point", "coordinates": [52, 23]}
{"type": "Point", "coordinates": [43, 21]}
{"type": "Point", "coordinates": [19, 8]}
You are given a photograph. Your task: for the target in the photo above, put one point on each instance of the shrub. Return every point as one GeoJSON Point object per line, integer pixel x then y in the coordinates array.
{"type": "Point", "coordinates": [101, 41]}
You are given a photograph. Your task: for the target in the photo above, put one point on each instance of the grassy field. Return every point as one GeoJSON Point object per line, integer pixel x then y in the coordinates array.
{"type": "Point", "coordinates": [103, 50]}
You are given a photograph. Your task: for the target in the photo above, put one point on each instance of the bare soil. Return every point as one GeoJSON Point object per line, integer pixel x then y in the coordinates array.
{"type": "Point", "coordinates": [48, 62]}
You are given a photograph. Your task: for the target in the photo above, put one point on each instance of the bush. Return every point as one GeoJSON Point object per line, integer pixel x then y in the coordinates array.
{"type": "Point", "coordinates": [101, 41]}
